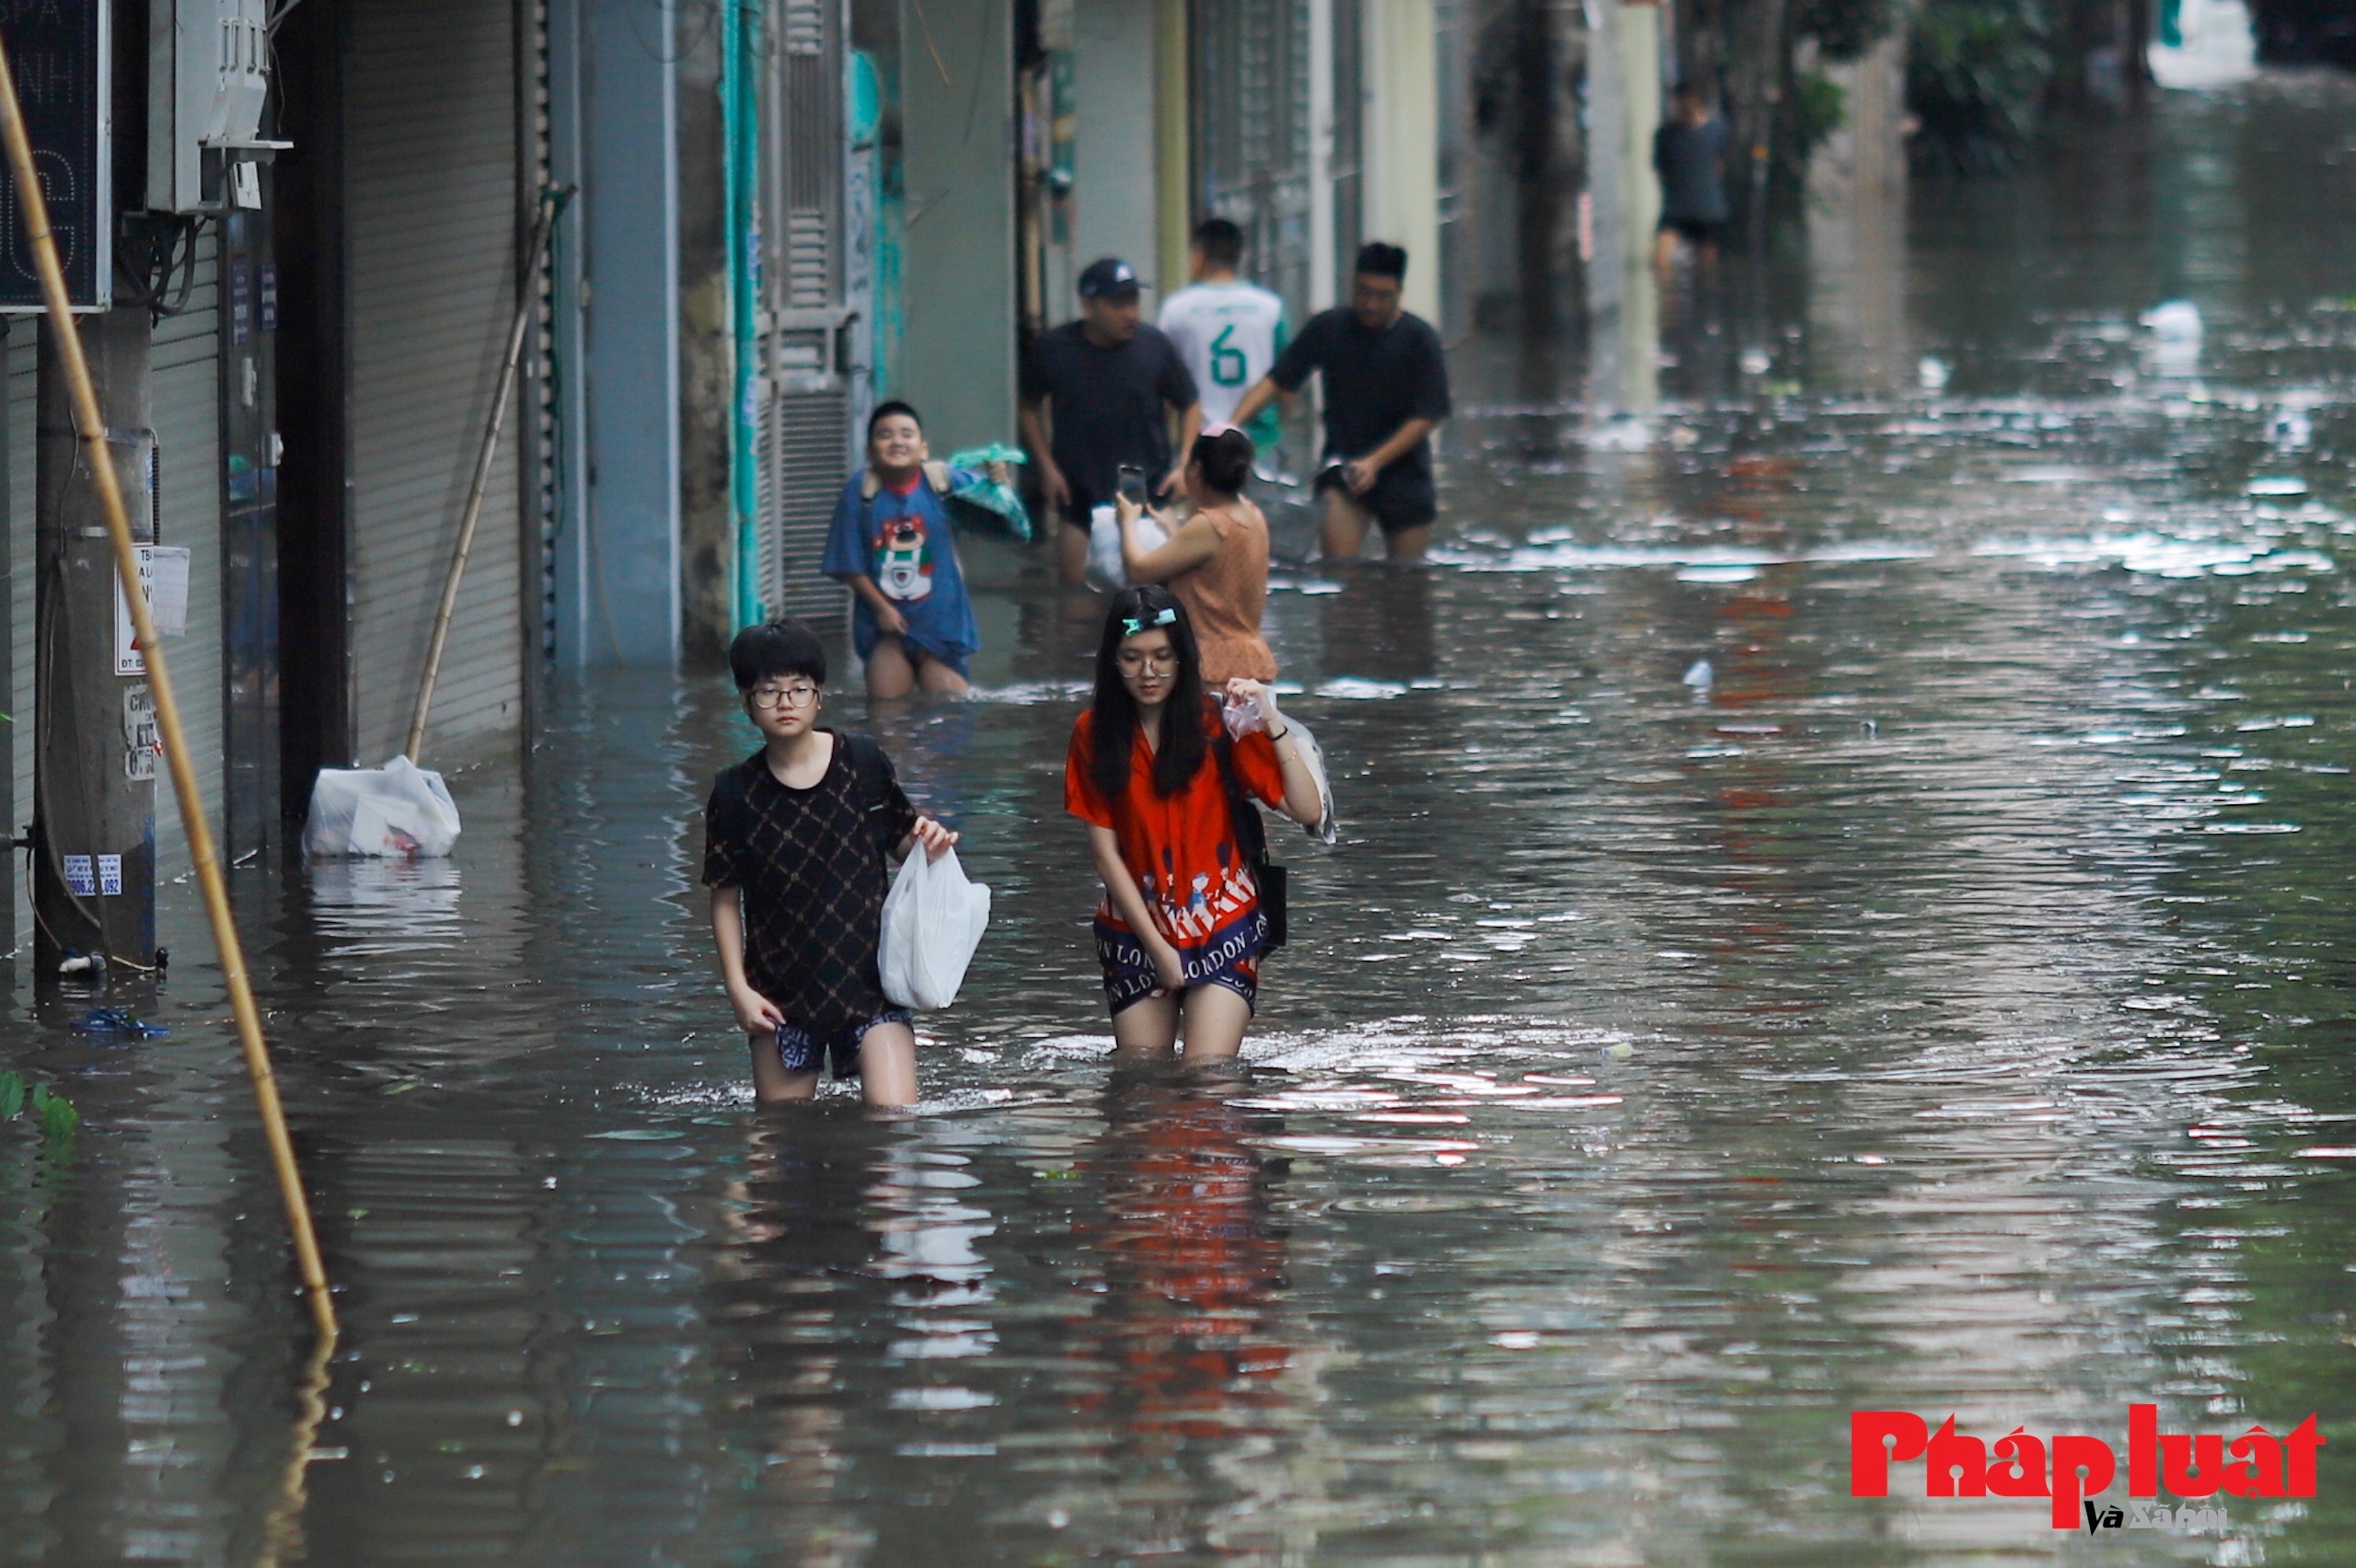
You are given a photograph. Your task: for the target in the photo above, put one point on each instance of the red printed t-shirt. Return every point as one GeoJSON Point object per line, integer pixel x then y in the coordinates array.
{"type": "Point", "coordinates": [1181, 849]}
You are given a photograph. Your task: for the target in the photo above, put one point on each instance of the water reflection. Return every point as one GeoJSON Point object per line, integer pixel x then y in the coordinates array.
{"type": "Point", "coordinates": [1192, 1267]}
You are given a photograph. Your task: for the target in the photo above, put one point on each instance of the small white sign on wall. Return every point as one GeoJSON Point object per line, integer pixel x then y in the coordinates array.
{"type": "Point", "coordinates": [163, 572]}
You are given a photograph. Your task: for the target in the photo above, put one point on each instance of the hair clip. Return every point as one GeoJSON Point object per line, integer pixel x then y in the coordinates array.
{"type": "Point", "coordinates": [1132, 625]}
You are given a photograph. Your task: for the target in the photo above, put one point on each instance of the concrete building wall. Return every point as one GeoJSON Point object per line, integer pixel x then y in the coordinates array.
{"type": "Point", "coordinates": [1856, 222]}
{"type": "Point", "coordinates": [957, 264]}
{"type": "Point", "coordinates": [1115, 191]}
{"type": "Point", "coordinates": [1401, 140]}
{"type": "Point", "coordinates": [619, 579]}
{"type": "Point", "coordinates": [704, 403]}
{"type": "Point", "coordinates": [1623, 295]}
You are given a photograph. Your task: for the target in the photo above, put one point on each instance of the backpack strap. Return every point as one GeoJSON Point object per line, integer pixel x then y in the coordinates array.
{"type": "Point", "coordinates": [936, 474]}
{"type": "Point", "coordinates": [872, 771]}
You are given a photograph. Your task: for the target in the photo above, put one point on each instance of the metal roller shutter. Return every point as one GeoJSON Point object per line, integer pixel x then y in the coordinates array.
{"type": "Point", "coordinates": [186, 364]}
{"type": "Point", "coordinates": [1252, 115]}
{"type": "Point", "coordinates": [805, 431]}
{"type": "Point", "coordinates": [431, 232]}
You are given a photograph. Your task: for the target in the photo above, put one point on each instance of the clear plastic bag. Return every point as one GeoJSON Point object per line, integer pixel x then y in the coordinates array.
{"type": "Point", "coordinates": [933, 920]}
{"type": "Point", "coordinates": [1242, 716]}
{"type": "Point", "coordinates": [1107, 568]}
{"type": "Point", "coordinates": [400, 810]}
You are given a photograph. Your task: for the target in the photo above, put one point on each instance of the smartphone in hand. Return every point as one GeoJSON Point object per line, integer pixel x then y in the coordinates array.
{"type": "Point", "coordinates": [1131, 485]}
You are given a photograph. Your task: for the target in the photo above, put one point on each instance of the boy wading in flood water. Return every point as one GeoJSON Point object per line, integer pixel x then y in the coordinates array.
{"type": "Point", "coordinates": [891, 542]}
{"type": "Point", "coordinates": [1181, 929]}
{"type": "Point", "coordinates": [795, 842]}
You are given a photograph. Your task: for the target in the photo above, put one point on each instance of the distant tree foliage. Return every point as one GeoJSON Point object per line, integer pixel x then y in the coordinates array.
{"type": "Point", "coordinates": [1843, 29]}
{"type": "Point", "coordinates": [1976, 76]}
{"type": "Point", "coordinates": [1813, 109]}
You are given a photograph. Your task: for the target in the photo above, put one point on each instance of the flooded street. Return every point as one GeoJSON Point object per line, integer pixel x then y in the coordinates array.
{"type": "Point", "coordinates": [1843, 902]}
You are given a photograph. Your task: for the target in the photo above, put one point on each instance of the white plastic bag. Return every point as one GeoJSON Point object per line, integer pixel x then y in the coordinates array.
{"type": "Point", "coordinates": [398, 809]}
{"type": "Point", "coordinates": [1106, 567]}
{"type": "Point", "coordinates": [933, 920]}
{"type": "Point", "coordinates": [1242, 716]}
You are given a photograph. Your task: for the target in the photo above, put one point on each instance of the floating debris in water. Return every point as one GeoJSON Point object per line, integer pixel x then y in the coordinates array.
{"type": "Point", "coordinates": [1351, 688]}
{"type": "Point", "coordinates": [1933, 372]}
{"type": "Point", "coordinates": [2176, 331]}
{"type": "Point", "coordinates": [2177, 321]}
{"type": "Point", "coordinates": [1701, 676]}
{"type": "Point", "coordinates": [2290, 430]}
{"type": "Point", "coordinates": [2277, 484]}
{"type": "Point", "coordinates": [1620, 431]}
{"type": "Point", "coordinates": [115, 1020]}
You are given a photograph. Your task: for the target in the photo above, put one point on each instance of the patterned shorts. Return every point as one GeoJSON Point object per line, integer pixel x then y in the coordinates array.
{"type": "Point", "coordinates": [1128, 969]}
{"type": "Point", "coordinates": [803, 1052]}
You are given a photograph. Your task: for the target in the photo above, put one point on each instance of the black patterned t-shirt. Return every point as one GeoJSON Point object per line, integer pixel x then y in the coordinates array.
{"type": "Point", "coordinates": [811, 883]}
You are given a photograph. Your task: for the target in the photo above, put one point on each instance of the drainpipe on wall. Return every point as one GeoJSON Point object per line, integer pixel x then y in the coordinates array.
{"type": "Point", "coordinates": [741, 232]}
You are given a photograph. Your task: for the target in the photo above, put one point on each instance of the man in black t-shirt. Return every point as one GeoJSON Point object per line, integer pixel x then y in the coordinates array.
{"type": "Point", "coordinates": [1102, 383]}
{"type": "Point", "coordinates": [1386, 391]}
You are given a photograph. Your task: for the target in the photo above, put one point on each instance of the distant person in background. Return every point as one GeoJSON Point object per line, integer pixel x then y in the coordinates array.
{"type": "Point", "coordinates": [1216, 562]}
{"type": "Point", "coordinates": [1094, 392]}
{"type": "Point", "coordinates": [912, 621]}
{"type": "Point", "coordinates": [1229, 333]}
{"type": "Point", "coordinates": [1690, 155]}
{"type": "Point", "coordinates": [1386, 391]}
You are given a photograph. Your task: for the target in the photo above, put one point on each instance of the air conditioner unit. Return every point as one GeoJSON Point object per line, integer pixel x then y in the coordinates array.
{"type": "Point", "coordinates": [208, 72]}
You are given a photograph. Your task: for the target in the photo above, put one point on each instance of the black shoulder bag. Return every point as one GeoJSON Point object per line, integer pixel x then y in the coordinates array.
{"type": "Point", "coordinates": [1252, 841]}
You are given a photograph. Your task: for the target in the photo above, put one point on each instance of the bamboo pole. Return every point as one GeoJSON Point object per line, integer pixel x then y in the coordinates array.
{"type": "Point", "coordinates": [543, 227]}
{"type": "Point", "coordinates": [91, 430]}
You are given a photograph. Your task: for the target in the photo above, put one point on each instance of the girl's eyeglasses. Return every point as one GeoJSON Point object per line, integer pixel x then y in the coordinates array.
{"type": "Point", "coordinates": [783, 696]}
{"type": "Point", "coordinates": [1132, 658]}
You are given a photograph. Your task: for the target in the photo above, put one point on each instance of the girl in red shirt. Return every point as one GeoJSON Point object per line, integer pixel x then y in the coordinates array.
{"type": "Point", "coordinates": [1179, 930]}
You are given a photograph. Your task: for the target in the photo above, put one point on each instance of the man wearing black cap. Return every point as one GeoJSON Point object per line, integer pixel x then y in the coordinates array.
{"type": "Point", "coordinates": [1102, 383]}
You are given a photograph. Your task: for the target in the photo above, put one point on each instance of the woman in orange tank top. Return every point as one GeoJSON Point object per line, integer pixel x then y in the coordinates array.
{"type": "Point", "coordinates": [1217, 561]}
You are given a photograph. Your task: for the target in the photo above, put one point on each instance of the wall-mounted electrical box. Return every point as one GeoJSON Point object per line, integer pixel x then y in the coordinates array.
{"type": "Point", "coordinates": [208, 72]}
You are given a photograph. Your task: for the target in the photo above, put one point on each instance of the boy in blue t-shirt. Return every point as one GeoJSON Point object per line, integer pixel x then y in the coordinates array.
{"type": "Point", "coordinates": [913, 623]}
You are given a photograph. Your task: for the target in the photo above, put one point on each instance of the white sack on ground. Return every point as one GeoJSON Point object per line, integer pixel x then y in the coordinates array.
{"type": "Point", "coordinates": [933, 920]}
{"type": "Point", "coordinates": [400, 810]}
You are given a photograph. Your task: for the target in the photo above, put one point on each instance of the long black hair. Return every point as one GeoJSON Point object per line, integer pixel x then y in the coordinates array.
{"type": "Point", "coordinates": [1113, 713]}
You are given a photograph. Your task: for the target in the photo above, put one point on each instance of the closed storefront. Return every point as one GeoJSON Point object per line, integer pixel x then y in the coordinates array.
{"type": "Point", "coordinates": [185, 367]}
{"type": "Point", "coordinates": [431, 220]}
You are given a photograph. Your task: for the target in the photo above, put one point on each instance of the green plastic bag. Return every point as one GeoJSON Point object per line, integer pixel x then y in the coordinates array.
{"type": "Point", "coordinates": [985, 501]}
